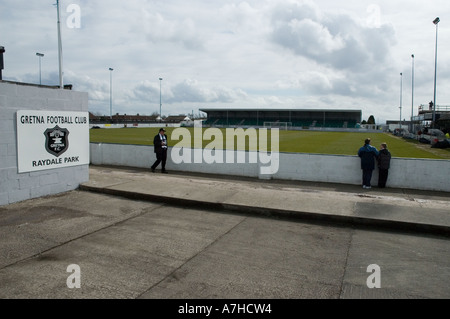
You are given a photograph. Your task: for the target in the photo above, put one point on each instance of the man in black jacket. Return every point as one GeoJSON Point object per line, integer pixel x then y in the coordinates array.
{"type": "Point", "coordinates": [384, 161]}
{"type": "Point", "coordinates": [160, 148]}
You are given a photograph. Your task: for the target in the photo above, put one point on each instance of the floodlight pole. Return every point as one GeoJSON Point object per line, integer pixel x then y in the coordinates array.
{"type": "Point", "coordinates": [160, 103]}
{"type": "Point", "coordinates": [2, 50]}
{"type": "Point", "coordinates": [401, 89]}
{"type": "Point", "coordinates": [40, 55]}
{"type": "Point", "coordinates": [110, 92]}
{"type": "Point", "coordinates": [435, 21]}
{"type": "Point", "coordinates": [412, 97]}
{"type": "Point", "coordinates": [61, 84]}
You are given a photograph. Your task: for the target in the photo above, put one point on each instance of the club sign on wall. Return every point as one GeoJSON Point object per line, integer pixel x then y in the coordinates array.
{"type": "Point", "coordinates": [51, 139]}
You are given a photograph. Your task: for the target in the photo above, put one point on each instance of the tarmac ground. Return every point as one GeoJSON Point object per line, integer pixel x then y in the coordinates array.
{"type": "Point", "coordinates": [132, 234]}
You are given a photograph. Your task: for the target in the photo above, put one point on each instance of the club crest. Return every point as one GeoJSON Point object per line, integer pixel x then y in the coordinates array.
{"type": "Point", "coordinates": [56, 140]}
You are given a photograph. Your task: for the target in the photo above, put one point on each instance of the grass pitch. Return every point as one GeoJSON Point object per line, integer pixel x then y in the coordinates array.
{"type": "Point", "coordinates": [314, 142]}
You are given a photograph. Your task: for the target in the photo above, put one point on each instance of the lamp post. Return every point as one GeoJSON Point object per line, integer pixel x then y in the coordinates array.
{"type": "Point", "coordinates": [435, 21]}
{"type": "Point", "coordinates": [160, 103]}
{"type": "Point", "coordinates": [412, 94]}
{"type": "Point", "coordinates": [2, 50]}
{"type": "Point", "coordinates": [401, 89]}
{"type": "Point", "coordinates": [40, 55]}
{"type": "Point", "coordinates": [110, 92]}
{"type": "Point", "coordinates": [60, 57]}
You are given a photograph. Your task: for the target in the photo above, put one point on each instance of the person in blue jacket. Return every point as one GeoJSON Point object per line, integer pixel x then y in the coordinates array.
{"type": "Point", "coordinates": [368, 155]}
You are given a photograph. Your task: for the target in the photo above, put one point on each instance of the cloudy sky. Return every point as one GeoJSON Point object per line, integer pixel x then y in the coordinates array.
{"type": "Point", "coordinates": [234, 54]}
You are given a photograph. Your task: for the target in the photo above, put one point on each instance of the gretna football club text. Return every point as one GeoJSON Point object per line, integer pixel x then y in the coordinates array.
{"type": "Point", "coordinates": [39, 119]}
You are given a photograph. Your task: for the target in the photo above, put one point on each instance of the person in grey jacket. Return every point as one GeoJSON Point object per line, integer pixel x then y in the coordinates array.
{"type": "Point", "coordinates": [368, 155]}
{"type": "Point", "coordinates": [384, 163]}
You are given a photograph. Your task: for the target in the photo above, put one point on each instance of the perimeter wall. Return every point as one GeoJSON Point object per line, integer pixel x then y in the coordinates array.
{"type": "Point", "coordinates": [422, 174]}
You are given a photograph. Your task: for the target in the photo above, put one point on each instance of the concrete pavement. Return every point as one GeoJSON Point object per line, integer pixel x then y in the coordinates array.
{"type": "Point", "coordinates": [401, 209]}
{"type": "Point", "coordinates": [201, 237]}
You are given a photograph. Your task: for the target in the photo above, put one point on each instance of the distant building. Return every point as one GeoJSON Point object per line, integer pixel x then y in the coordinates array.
{"type": "Point", "coordinates": [442, 115]}
{"type": "Point", "coordinates": [122, 119]}
{"type": "Point", "coordinates": [175, 118]}
{"type": "Point", "coordinates": [321, 118]}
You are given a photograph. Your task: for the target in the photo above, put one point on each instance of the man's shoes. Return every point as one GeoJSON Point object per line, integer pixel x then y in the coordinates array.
{"type": "Point", "coordinates": [367, 187]}
{"type": "Point", "coordinates": [165, 172]}
{"type": "Point", "coordinates": [153, 170]}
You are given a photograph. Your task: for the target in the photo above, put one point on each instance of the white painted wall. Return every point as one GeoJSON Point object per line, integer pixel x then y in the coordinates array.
{"type": "Point", "coordinates": [15, 187]}
{"type": "Point", "coordinates": [420, 174]}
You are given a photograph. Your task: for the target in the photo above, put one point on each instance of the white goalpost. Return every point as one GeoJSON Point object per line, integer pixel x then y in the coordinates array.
{"type": "Point", "coordinates": [281, 125]}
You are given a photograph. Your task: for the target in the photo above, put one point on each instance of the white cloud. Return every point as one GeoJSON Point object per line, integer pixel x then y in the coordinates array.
{"type": "Point", "coordinates": [189, 91]}
{"type": "Point", "coordinates": [254, 53]}
{"type": "Point", "coordinates": [336, 40]}
{"type": "Point", "coordinates": [159, 29]}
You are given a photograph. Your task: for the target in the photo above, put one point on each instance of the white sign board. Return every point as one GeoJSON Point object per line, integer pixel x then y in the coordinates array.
{"type": "Point", "coordinates": [51, 139]}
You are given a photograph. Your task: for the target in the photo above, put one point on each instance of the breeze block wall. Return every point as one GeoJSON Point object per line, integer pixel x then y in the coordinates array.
{"type": "Point", "coordinates": [421, 174]}
{"type": "Point", "coordinates": [15, 187]}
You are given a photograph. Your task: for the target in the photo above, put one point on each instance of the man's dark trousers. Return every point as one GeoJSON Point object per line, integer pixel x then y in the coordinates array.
{"type": "Point", "coordinates": [161, 157]}
{"type": "Point", "coordinates": [382, 177]}
{"type": "Point", "coordinates": [367, 176]}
